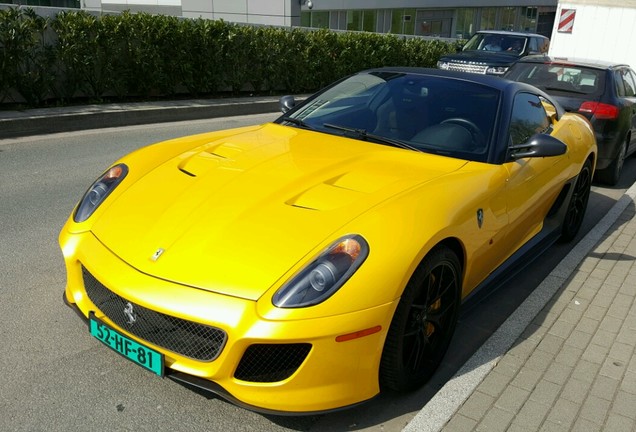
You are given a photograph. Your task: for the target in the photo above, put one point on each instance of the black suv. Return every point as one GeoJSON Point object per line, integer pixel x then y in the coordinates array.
{"type": "Point", "coordinates": [493, 52]}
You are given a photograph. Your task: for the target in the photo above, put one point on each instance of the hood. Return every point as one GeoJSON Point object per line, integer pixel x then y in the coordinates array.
{"type": "Point", "coordinates": [490, 58]}
{"type": "Point", "coordinates": [235, 214]}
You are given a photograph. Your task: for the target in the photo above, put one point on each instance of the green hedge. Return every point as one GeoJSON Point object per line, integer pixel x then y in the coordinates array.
{"type": "Point", "coordinates": [116, 57]}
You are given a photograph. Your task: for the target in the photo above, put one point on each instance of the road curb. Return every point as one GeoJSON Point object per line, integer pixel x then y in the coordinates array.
{"type": "Point", "coordinates": [15, 124]}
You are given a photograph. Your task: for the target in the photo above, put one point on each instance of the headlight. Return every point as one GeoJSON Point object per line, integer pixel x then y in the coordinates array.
{"type": "Point", "coordinates": [325, 275]}
{"type": "Point", "coordinates": [442, 65]}
{"type": "Point", "coordinates": [497, 70]}
{"type": "Point", "coordinates": [98, 192]}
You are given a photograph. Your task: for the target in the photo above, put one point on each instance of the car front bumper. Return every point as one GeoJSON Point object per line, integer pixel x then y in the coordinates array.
{"type": "Point", "coordinates": [329, 375]}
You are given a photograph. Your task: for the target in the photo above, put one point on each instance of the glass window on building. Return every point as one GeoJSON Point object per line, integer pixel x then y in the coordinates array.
{"type": "Point", "coordinates": [338, 20]}
{"type": "Point", "coordinates": [333, 20]}
{"type": "Point", "coordinates": [528, 19]}
{"type": "Point", "coordinates": [397, 21]}
{"type": "Point", "coordinates": [545, 21]}
{"type": "Point", "coordinates": [305, 19]}
{"type": "Point", "coordinates": [320, 19]}
{"type": "Point", "coordinates": [384, 21]}
{"type": "Point", "coordinates": [488, 19]}
{"type": "Point", "coordinates": [369, 20]}
{"type": "Point", "coordinates": [465, 23]}
{"type": "Point", "coordinates": [402, 21]}
{"type": "Point", "coordinates": [74, 4]}
{"type": "Point", "coordinates": [507, 18]}
{"type": "Point", "coordinates": [434, 22]}
{"type": "Point", "coordinates": [409, 21]}
{"type": "Point", "coordinates": [354, 20]}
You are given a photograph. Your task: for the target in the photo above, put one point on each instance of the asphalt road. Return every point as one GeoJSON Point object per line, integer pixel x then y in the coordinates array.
{"type": "Point", "coordinates": [57, 378]}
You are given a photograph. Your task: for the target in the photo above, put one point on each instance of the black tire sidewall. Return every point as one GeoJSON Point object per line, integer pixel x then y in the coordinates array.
{"type": "Point", "coordinates": [393, 375]}
{"type": "Point", "coordinates": [569, 232]}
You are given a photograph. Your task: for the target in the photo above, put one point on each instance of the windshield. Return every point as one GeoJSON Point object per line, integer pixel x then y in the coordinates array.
{"type": "Point", "coordinates": [427, 113]}
{"type": "Point", "coordinates": [560, 79]}
{"type": "Point", "coordinates": [496, 42]}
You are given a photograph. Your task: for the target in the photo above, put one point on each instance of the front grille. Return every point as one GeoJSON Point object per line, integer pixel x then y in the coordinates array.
{"type": "Point", "coordinates": [271, 362]}
{"type": "Point", "coordinates": [467, 67]}
{"type": "Point", "coordinates": [190, 339]}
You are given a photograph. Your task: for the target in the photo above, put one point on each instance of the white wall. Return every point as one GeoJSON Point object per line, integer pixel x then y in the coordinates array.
{"type": "Point", "coordinates": [271, 12]}
{"type": "Point", "coordinates": [105, 3]}
{"type": "Point", "coordinates": [603, 30]}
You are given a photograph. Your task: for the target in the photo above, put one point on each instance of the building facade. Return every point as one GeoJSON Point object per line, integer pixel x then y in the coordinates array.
{"type": "Point", "coordinates": [434, 18]}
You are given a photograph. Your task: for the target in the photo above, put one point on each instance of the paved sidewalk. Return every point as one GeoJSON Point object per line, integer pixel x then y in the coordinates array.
{"type": "Point", "coordinates": [565, 365]}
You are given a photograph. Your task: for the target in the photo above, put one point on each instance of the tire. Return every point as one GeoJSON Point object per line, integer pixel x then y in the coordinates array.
{"type": "Point", "coordinates": [612, 174]}
{"type": "Point", "coordinates": [423, 323]}
{"type": "Point", "coordinates": [578, 203]}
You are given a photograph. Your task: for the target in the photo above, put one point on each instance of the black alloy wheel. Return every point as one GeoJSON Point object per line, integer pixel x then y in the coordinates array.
{"type": "Point", "coordinates": [578, 203]}
{"type": "Point", "coordinates": [423, 323]}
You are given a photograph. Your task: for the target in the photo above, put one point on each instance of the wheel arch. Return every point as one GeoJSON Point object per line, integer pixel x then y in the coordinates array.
{"type": "Point", "coordinates": [592, 158]}
{"type": "Point", "coordinates": [454, 244]}
{"type": "Point", "coordinates": [628, 143]}
{"type": "Point", "coordinates": [393, 370]}
{"type": "Point", "coordinates": [451, 242]}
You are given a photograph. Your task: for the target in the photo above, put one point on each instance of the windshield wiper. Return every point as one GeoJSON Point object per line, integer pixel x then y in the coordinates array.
{"type": "Point", "coordinates": [297, 122]}
{"type": "Point", "coordinates": [364, 135]}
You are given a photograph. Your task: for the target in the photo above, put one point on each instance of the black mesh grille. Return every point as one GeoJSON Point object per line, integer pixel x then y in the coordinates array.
{"type": "Point", "coordinates": [271, 363]}
{"type": "Point", "coordinates": [194, 340]}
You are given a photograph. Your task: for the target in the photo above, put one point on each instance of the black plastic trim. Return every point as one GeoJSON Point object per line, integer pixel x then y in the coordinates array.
{"type": "Point", "coordinates": [75, 309]}
{"type": "Point", "coordinates": [212, 387]}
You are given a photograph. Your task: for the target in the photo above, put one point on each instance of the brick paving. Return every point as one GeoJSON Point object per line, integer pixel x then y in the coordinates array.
{"type": "Point", "coordinates": [574, 366]}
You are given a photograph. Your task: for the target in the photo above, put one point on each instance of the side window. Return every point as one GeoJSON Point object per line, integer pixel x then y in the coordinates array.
{"type": "Point", "coordinates": [534, 46]}
{"type": "Point", "coordinates": [620, 86]}
{"type": "Point", "coordinates": [528, 118]}
{"type": "Point", "coordinates": [630, 84]}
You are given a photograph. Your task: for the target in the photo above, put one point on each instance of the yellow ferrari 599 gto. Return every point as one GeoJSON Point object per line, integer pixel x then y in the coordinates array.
{"type": "Point", "coordinates": [303, 265]}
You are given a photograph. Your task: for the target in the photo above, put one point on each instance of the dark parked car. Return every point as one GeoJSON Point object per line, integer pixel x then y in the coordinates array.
{"type": "Point", "coordinates": [603, 92]}
{"type": "Point", "coordinates": [493, 52]}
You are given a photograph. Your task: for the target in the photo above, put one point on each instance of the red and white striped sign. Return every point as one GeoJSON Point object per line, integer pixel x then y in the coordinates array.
{"type": "Point", "coordinates": [566, 22]}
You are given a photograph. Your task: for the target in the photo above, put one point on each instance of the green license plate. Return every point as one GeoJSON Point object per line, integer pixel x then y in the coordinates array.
{"type": "Point", "coordinates": [134, 351]}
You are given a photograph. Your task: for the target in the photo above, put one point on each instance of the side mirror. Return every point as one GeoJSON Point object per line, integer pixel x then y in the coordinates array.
{"type": "Point", "coordinates": [286, 103]}
{"type": "Point", "coordinates": [539, 145]}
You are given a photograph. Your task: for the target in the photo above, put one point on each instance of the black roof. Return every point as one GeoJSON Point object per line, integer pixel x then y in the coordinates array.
{"type": "Point", "coordinates": [507, 87]}
{"type": "Point", "coordinates": [574, 61]}
{"type": "Point", "coordinates": [494, 81]}
{"type": "Point", "coordinates": [510, 33]}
